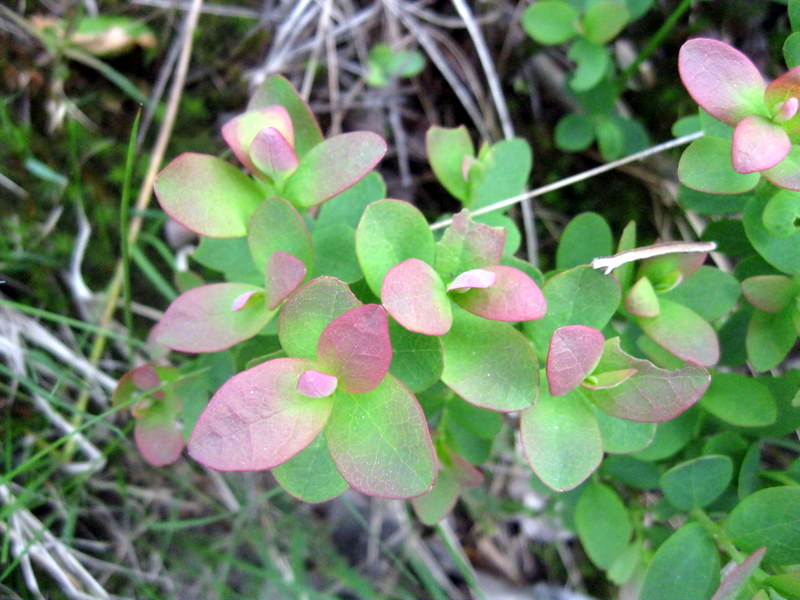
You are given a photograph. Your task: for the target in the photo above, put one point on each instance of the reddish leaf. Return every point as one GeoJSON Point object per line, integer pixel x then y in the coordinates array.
{"type": "Point", "coordinates": [651, 394]}
{"type": "Point", "coordinates": [258, 420]}
{"type": "Point", "coordinates": [467, 245]}
{"type": "Point", "coordinates": [316, 384]}
{"type": "Point", "coordinates": [204, 320]}
{"type": "Point", "coordinates": [380, 442]}
{"type": "Point", "coordinates": [284, 273]}
{"type": "Point", "coordinates": [733, 582]}
{"type": "Point", "coordinates": [240, 131]}
{"type": "Point", "coordinates": [770, 293]}
{"type": "Point", "coordinates": [273, 155]}
{"type": "Point", "coordinates": [207, 195]}
{"type": "Point", "coordinates": [786, 174]}
{"type": "Point", "coordinates": [415, 296]}
{"type": "Point", "coordinates": [159, 441]}
{"type": "Point", "coordinates": [758, 144]}
{"type": "Point", "coordinates": [356, 347]}
{"type": "Point", "coordinates": [682, 332]}
{"type": "Point", "coordinates": [333, 166]}
{"type": "Point", "coordinates": [574, 352]}
{"type": "Point", "coordinates": [513, 297]}
{"type": "Point", "coordinates": [721, 79]}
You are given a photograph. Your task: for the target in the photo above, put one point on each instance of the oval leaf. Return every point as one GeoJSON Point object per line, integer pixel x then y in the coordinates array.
{"type": "Point", "coordinates": [561, 440]}
{"type": "Point", "coordinates": [705, 166]}
{"type": "Point", "coordinates": [697, 483]}
{"type": "Point", "coordinates": [446, 149]}
{"type": "Point", "coordinates": [740, 400]}
{"type": "Point", "coordinates": [467, 245]}
{"type": "Point", "coordinates": [769, 293]}
{"type": "Point", "coordinates": [273, 155]}
{"type": "Point", "coordinates": [513, 297]}
{"type": "Point", "coordinates": [258, 420]}
{"type": "Point", "coordinates": [771, 518]}
{"type": "Point", "coordinates": [574, 352]}
{"type": "Point", "coordinates": [311, 475]}
{"type": "Point", "coordinates": [380, 442]}
{"type": "Point", "coordinates": [333, 166]}
{"type": "Point", "coordinates": [283, 274]}
{"type": "Point", "coordinates": [650, 394]}
{"type": "Point", "coordinates": [356, 347]}
{"type": "Point", "coordinates": [721, 79]}
{"type": "Point", "coordinates": [207, 195]}
{"type": "Point", "coordinates": [685, 566]}
{"type": "Point", "coordinates": [683, 332]}
{"type": "Point", "coordinates": [240, 132]}
{"type": "Point", "coordinates": [415, 296]}
{"type": "Point", "coordinates": [204, 320]}
{"type": "Point", "coordinates": [316, 384]}
{"type": "Point", "coordinates": [604, 539]}
{"type": "Point", "coordinates": [489, 364]}
{"type": "Point", "coordinates": [758, 144]}
{"type": "Point", "coordinates": [160, 442]}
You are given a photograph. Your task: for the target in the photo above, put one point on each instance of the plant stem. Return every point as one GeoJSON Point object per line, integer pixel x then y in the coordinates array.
{"type": "Point", "coordinates": [655, 41]}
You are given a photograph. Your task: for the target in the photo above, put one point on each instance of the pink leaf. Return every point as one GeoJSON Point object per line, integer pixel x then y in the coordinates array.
{"type": "Point", "coordinates": [758, 144]}
{"type": "Point", "coordinates": [786, 174]}
{"type": "Point", "coordinates": [273, 155]}
{"type": "Point", "coordinates": [356, 347]}
{"type": "Point", "coordinates": [513, 297]}
{"type": "Point", "coordinates": [159, 442]}
{"type": "Point", "coordinates": [650, 394]}
{"type": "Point", "coordinates": [574, 352]}
{"type": "Point", "coordinates": [786, 110]}
{"type": "Point", "coordinates": [415, 296]}
{"type": "Point", "coordinates": [316, 384]}
{"type": "Point", "coordinates": [733, 582]}
{"type": "Point", "coordinates": [284, 273]}
{"type": "Point", "coordinates": [203, 319]}
{"type": "Point", "coordinates": [240, 132]}
{"type": "Point", "coordinates": [721, 79]}
{"type": "Point", "coordinates": [476, 278]}
{"type": "Point", "coordinates": [682, 332]}
{"type": "Point", "coordinates": [258, 420]}
{"type": "Point", "coordinates": [467, 245]}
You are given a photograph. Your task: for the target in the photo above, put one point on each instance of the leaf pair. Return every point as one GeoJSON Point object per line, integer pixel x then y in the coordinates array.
{"type": "Point", "coordinates": [729, 87]}
{"type": "Point", "coordinates": [374, 428]}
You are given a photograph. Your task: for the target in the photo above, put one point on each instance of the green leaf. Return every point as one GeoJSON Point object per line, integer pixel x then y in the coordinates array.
{"type": "Point", "coordinates": [604, 539]}
{"type": "Point", "coordinates": [335, 252]}
{"type": "Point", "coordinates": [552, 22]}
{"type": "Point", "coordinates": [791, 50]}
{"type": "Point", "coordinates": [671, 436]}
{"type": "Point", "coordinates": [781, 252]}
{"type": "Point", "coordinates": [333, 166]}
{"type": "Point", "coordinates": [705, 166]}
{"type": "Point", "coordinates": [380, 441]}
{"type": "Point", "coordinates": [770, 293]}
{"type": "Point", "coordinates": [697, 483]}
{"type": "Point", "coordinates": [348, 207]}
{"type": "Point", "coordinates": [467, 245]}
{"type": "Point", "coordinates": [574, 132]}
{"type": "Point", "coordinates": [489, 363]}
{"type": "Point", "coordinates": [621, 436]}
{"type": "Point", "coordinates": [446, 149]}
{"type": "Point", "coordinates": [786, 584]}
{"type": "Point", "coordinates": [309, 311]}
{"type": "Point", "coordinates": [416, 359]}
{"type": "Point", "coordinates": [781, 213]}
{"type": "Point", "coordinates": [207, 195]}
{"type": "Point", "coordinates": [685, 566]}
{"type": "Point", "coordinates": [610, 138]}
{"type": "Point", "coordinates": [710, 292]}
{"type": "Point", "coordinates": [311, 474]}
{"type": "Point", "coordinates": [480, 422]}
{"type": "Point", "coordinates": [683, 332]}
{"type": "Point", "coordinates": [229, 256]}
{"type": "Point", "coordinates": [603, 20]}
{"type": "Point", "coordinates": [712, 204]}
{"type": "Point", "coordinates": [276, 225]}
{"type": "Point", "coordinates": [586, 237]}
{"type": "Point", "coordinates": [507, 169]}
{"type": "Point", "coordinates": [561, 439]}
{"type": "Point", "coordinates": [277, 90]}
{"type": "Point", "coordinates": [739, 400]}
{"type": "Point", "coordinates": [770, 337]}
{"type": "Point", "coordinates": [593, 62]}
{"type": "Point", "coordinates": [636, 473]}
{"type": "Point", "coordinates": [390, 232]}
{"type": "Point", "coordinates": [579, 296]}
{"type": "Point", "coordinates": [771, 518]}
{"type": "Point", "coordinates": [432, 507]}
